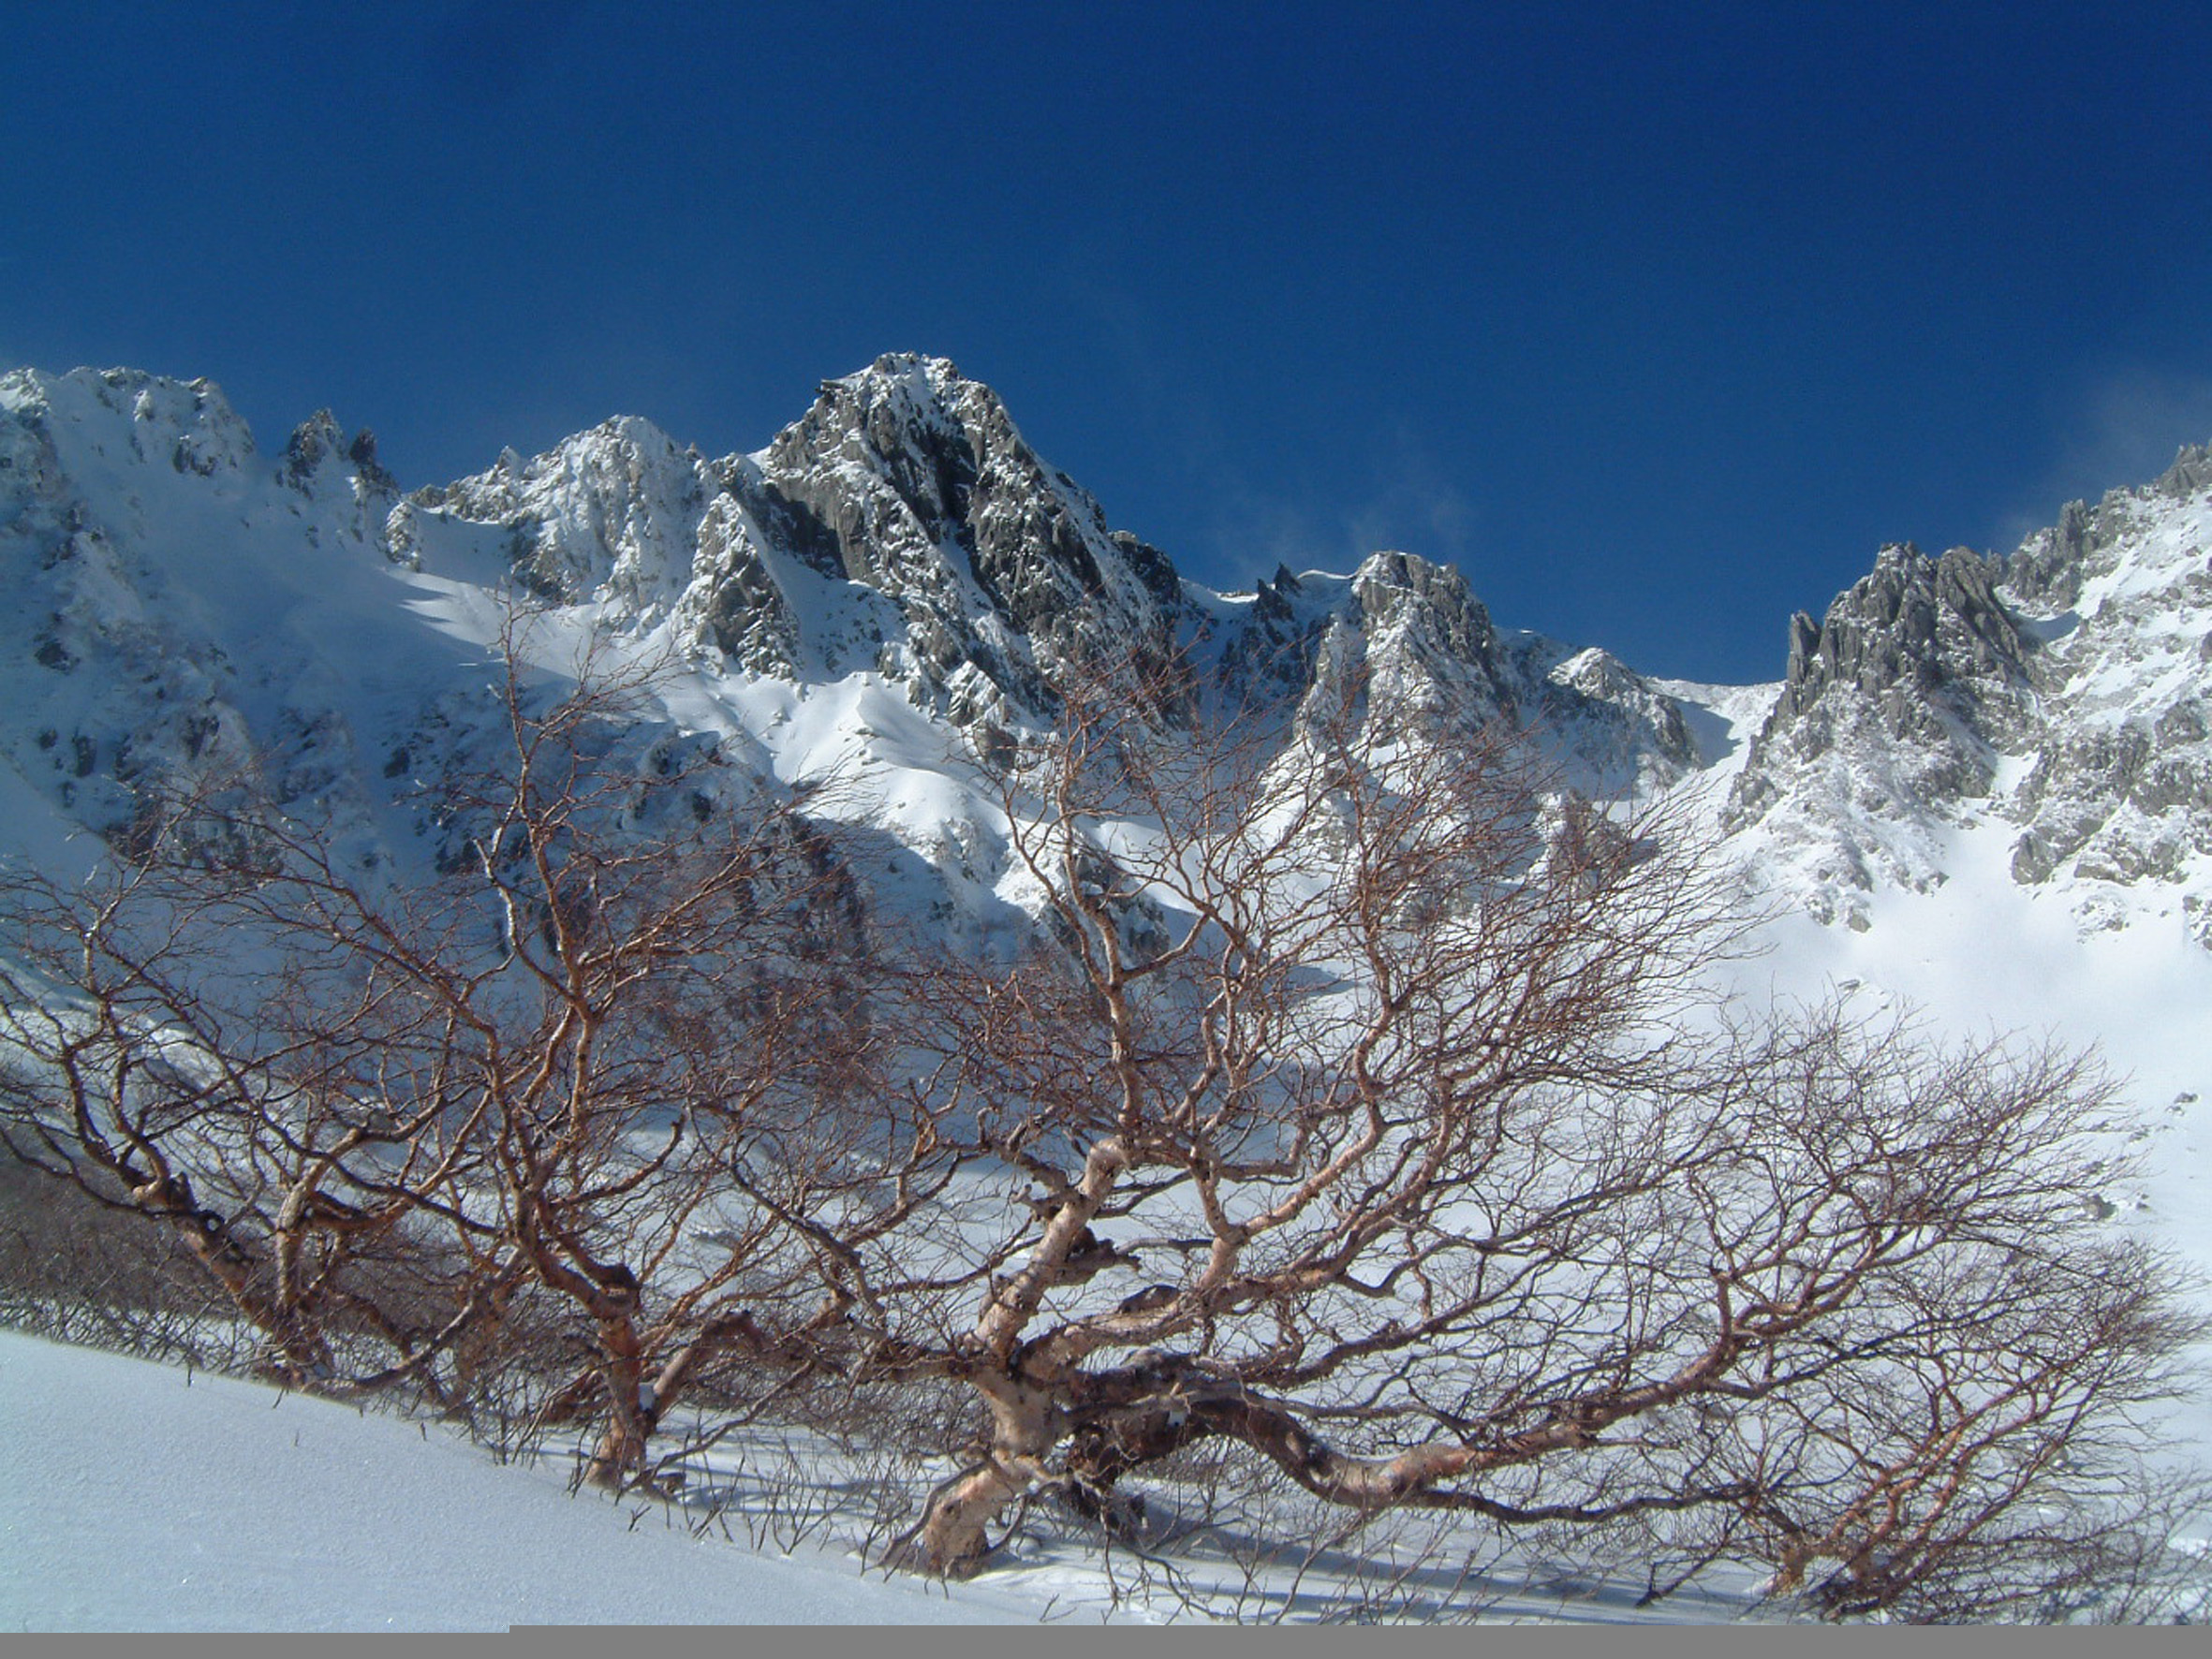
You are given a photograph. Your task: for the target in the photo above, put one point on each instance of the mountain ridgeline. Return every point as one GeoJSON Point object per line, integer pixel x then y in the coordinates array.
{"type": "Point", "coordinates": [897, 578]}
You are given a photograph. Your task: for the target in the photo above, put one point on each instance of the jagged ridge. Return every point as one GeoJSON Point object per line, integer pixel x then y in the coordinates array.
{"type": "Point", "coordinates": [184, 601]}
{"type": "Point", "coordinates": [2062, 691]}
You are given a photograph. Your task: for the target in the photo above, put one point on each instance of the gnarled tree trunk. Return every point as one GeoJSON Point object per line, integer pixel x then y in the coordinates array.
{"type": "Point", "coordinates": [954, 1537]}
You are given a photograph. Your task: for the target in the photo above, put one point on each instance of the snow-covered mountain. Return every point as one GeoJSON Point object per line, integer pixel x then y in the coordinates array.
{"type": "Point", "coordinates": [2062, 693]}
{"type": "Point", "coordinates": [898, 577]}
{"type": "Point", "coordinates": [893, 580]}
{"type": "Point", "coordinates": [1983, 785]}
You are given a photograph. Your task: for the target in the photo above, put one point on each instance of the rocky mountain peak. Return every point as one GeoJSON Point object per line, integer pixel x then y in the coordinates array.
{"type": "Point", "coordinates": [912, 481]}
{"type": "Point", "coordinates": [1405, 593]}
{"type": "Point", "coordinates": [319, 455]}
{"type": "Point", "coordinates": [2060, 692]}
{"type": "Point", "coordinates": [2191, 474]}
{"type": "Point", "coordinates": [610, 514]}
{"type": "Point", "coordinates": [128, 415]}
{"type": "Point", "coordinates": [1895, 714]}
{"type": "Point", "coordinates": [1922, 637]}
{"type": "Point", "coordinates": [1422, 640]}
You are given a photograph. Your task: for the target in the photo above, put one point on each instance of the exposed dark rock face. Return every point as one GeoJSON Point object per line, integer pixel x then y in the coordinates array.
{"type": "Point", "coordinates": [902, 528]}
{"type": "Point", "coordinates": [999, 565]}
{"type": "Point", "coordinates": [1273, 653]}
{"type": "Point", "coordinates": [313, 442]}
{"type": "Point", "coordinates": [1919, 658]}
{"type": "Point", "coordinates": [2062, 691]}
{"type": "Point", "coordinates": [1917, 632]}
{"type": "Point", "coordinates": [746, 611]}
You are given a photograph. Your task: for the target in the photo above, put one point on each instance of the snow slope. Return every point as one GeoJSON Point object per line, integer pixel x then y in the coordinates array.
{"type": "Point", "coordinates": [154, 1501]}
{"type": "Point", "coordinates": [1982, 954]}
{"type": "Point", "coordinates": [138, 1498]}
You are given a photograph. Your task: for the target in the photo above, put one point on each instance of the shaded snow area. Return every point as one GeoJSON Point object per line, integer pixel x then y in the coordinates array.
{"type": "Point", "coordinates": [138, 1499]}
{"type": "Point", "coordinates": [145, 1498]}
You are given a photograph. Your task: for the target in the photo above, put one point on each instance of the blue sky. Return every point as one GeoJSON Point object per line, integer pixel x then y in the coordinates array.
{"type": "Point", "coordinates": [1656, 320]}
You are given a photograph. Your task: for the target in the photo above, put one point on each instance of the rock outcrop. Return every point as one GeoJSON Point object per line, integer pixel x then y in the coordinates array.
{"type": "Point", "coordinates": [2065, 692]}
{"type": "Point", "coordinates": [187, 605]}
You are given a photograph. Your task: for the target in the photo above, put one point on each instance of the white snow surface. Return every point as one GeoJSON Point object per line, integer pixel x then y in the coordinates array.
{"type": "Point", "coordinates": [144, 1498]}
{"type": "Point", "coordinates": [1983, 955]}
{"type": "Point", "coordinates": [140, 1498]}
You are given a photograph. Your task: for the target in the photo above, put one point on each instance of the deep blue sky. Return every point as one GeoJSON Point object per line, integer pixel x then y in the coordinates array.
{"type": "Point", "coordinates": [1656, 320]}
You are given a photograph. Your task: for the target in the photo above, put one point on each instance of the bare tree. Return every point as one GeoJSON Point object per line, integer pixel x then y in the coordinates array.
{"type": "Point", "coordinates": [180, 1048]}
{"type": "Point", "coordinates": [672, 999]}
{"type": "Point", "coordinates": [402, 1108]}
{"type": "Point", "coordinates": [1363, 1110]}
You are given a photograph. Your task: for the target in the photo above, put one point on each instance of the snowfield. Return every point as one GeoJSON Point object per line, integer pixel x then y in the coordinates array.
{"type": "Point", "coordinates": [145, 1498]}
{"type": "Point", "coordinates": [141, 1498]}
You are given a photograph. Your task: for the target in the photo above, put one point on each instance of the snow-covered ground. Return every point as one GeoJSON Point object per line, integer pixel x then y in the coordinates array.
{"type": "Point", "coordinates": [1982, 954]}
{"type": "Point", "coordinates": [139, 1498]}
